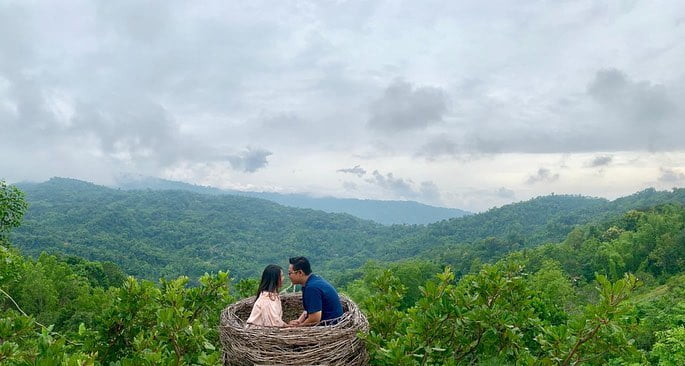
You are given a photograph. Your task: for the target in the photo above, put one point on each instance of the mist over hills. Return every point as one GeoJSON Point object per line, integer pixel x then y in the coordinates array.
{"type": "Point", "coordinates": [384, 212]}
{"type": "Point", "coordinates": [153, 233]}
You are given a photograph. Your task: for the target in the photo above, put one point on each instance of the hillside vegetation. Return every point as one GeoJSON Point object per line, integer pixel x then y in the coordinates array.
{"type": "Point", "coordinates": [168, 233]}
{"type": "Point", "coordinates": [471, 240]}
{"type": "Point", "coordinates": [611, 292]}
{"type": "Point", "coordinates": [153, 234]}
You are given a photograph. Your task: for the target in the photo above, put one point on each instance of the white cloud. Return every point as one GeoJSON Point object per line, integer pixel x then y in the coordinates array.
{"type": "Point", "coordinates": [455, 98]}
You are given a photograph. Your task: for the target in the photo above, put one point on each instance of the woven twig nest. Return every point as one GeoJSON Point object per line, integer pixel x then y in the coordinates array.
{"type": "Point", "coordinates": [318, 345]}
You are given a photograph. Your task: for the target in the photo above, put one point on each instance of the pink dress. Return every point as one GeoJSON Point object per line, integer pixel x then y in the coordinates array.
{"type": "Point", "coordinates": [267, 311]}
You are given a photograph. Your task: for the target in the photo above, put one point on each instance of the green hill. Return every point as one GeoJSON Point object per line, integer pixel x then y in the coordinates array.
{"type": "Point", "coordinates": [490, 235]}
{"type": "Point", "coordinates": [168, 233]}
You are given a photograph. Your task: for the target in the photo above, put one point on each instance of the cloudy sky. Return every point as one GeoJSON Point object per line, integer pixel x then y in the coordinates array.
{"type": "Point", "coordinates": [462, 104]}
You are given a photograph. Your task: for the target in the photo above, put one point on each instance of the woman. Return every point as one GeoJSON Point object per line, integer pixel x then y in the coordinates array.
{"type": "Point", "coordinates": [267, 311]}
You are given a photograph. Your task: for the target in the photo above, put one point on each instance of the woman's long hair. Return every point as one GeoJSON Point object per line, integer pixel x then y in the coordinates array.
{"type": "Point", "coordinates": [271, 280]}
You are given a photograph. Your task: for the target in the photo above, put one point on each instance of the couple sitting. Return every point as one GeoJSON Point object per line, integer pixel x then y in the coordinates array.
{"type": "Point", "coordinates": [320, 300]}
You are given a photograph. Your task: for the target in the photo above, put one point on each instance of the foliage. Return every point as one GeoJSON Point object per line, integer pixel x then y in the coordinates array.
{"type": "Point", "coordinates": [650, 241]}
{"type": "Point", "coordinates": [670, 347]}
{"type": "Point", "coordinates": [575, 302]}
{"type": "Point", "coordinates": [23, 343]}
{"type": "Point", "coordinates": [492, 316]}
{"type": "Point", "coordinates": [413, 274]}
{"type": "Point", "coordinates": [656, 310]}
{"type": "Point", "coordinates": [166, 324]}
{"type": "Point", "coordinates": [137, 323]}
{"type": "Point", "coordinates": [594, 336]}
{"type": "Point", "coordinates": [383, 310]}
{"type": "Point", "coordinates": [12, 209]}
{"type": "Point", "coordinates": [247, 287]}
{"type": "Point", "coordinates": [553, 293]}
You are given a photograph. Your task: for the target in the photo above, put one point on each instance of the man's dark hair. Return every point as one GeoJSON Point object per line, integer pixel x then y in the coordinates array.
{"type": "Point", "coordinates": [301, 264]}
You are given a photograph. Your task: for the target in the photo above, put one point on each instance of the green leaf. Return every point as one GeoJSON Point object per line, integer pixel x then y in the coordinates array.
{"type": "Point", "coordinates": [209, 346]}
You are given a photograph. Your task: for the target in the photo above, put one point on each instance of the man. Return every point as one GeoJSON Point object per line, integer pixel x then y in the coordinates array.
{"type": "Point", "coordinates": [320, 300]}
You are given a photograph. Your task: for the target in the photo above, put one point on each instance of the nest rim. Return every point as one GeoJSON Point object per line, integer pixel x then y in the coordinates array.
{"type": "Point", "coordinates": [337, 343]}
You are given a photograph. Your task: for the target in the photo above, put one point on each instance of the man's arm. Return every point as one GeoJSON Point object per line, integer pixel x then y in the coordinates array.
{"type": "Point", "coordinates": [312, 319]}
{"type": "Point", "coordinates": [299, 320]}
{"type": "Point", "coordinates": [313, 309]}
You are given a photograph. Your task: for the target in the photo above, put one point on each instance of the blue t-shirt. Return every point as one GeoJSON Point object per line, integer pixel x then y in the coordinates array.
{"type": "Point", "coordinates": [319, 295]}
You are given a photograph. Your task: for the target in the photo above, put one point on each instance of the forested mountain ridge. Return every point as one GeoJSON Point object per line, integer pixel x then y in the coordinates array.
{"type": "Point", "coordinates": [384, 212]}
{"type": "Point", "coordinates": [168, 233]}
{"type": "Point", "coordinates": [545, 219]}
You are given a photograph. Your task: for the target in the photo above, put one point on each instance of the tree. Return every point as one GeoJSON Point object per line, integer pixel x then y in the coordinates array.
{"type": "Point", "coordinates": [12, 209]}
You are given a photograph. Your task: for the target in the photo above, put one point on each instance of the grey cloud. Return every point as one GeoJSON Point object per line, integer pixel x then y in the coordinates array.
{"type": "Point", "coordinates": [600, 161]}
{"type": "Point", "coordinates": [503, 192]}
{"type": "Point", "coordinates": [120, 86]}
{"type": "Point", "coordinates": [542, 175]}
{"type": "Point", "coordinates": [640, 113]}
{"type": "Point", "coordinates": [613, 113]}
{"type": "Point", "coordinates": [608, 85]}
{"type": "Point", "coordinates": [404, 188]}
{"type": "Point", "coordinates": [359, 171]}
{"type": "Point", "coordinates": [396, 185]}
{"type": "Point", "coordinates": [405, 107]}
{"type": "Point", "coordinates": [131, 128]}
{"type": "Point", "coordinates": [671, 176]}
{"type": "Point", "coordinates": [250, 160]}
{"type": "Point", "coordinates": [640, 103]}
{"type": "Point", "coordinates": [149, 86]}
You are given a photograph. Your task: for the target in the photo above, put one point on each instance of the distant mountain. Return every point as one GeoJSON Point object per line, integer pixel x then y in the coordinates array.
{"type": "Point", "coordinates": [384, 212]}
{"type": "Point", "coordinates": [153, 233]}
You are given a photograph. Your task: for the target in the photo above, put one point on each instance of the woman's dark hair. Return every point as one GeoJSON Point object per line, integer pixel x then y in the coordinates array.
{"type": "Point", "coordinates": [301, 264]}
{"type": "Point", "coordinates": [270, 279]}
